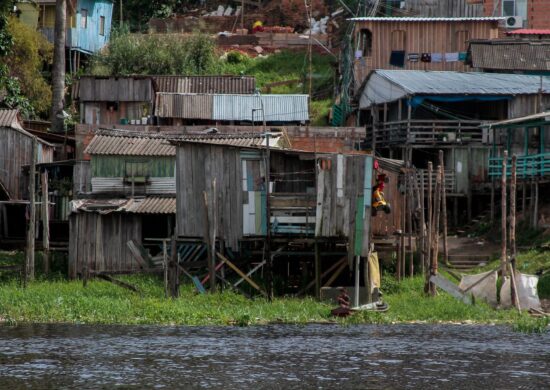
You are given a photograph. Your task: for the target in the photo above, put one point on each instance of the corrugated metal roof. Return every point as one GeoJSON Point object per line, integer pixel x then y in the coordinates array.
{"type": "Point", "coordinates": [510, 55]}
{"type": "Point", "coordinates": [526, 31]}
{"type": "Point", "coordinates": [128, 145]}
{"type": "Point", "coordinates": [543, 116]}
{"type": "Point", "coordinates": [227, 107]}
{"type": "Point", "coordinates": [148, 205]}
{"type": "Point", "coordinates": [421, 82]}
{"type": "Point", "coordinates": [276, 140]}
{"type": "Point", "coordinates": [188, 106]}
{"type": "Point", "coordinates": [9, 118]}
{"type": "Point", "coordinates": [424, 19]}
{"type": "Point", "coordinates": [278, 108]}
{"type": "Point", "coordinates": [205, 84]}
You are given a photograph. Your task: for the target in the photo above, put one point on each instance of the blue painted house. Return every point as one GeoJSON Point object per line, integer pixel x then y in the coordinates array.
{"type": "Point", "coordinates": [88, 22]}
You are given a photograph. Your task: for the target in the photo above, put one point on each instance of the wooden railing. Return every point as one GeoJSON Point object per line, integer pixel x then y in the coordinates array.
{"type": "Point", "coordinates": [292, 213]}
{"type": "Point", "coordinates": [533, 166]}
{"type": "Point", "coordinates": [450, 180]}
{"type": "Point", "coordinates": [427, 132]}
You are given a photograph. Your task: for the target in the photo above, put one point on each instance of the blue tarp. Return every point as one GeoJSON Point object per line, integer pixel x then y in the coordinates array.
{"type": "Point", "coordinates": [418, 100]}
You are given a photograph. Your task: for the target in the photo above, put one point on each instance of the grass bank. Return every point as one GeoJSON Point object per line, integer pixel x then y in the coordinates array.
{"type": "Point", "coordinates": [56, 300]}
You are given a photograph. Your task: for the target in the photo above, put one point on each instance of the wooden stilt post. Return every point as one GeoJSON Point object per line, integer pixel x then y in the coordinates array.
{"type": "Point", "coordinates": [444, 209]}
{"type": "Point", "coordinates": [165, 264]}
{"type": "Point", "coordinates": [513, 180]}
{"type": "Point", "coordinates": [403, 231]}
{"type": "Point", "coordinates": [173, 273]}
{"type": "Point", "coordinates": [45, 224]}
{"type": "Point", "coordinates": [31, 232]}
{"type": "Point", "coordinates": [422, 220]}
{"type": "Point", "coordinates": [536, 206]}
{"type": "Point", "coordinates": [210, 233]}
{"type": "Point", "coordinates": [492, 205]}
{"type": "Point", "coordinates": [410, 223]}
{"type": "Point", "coordinates": [435, 228]}
{"type": "Point", "coordinates": [430, 228]}
{"type": "Point", "coordinates": [503, 215]}
{"type": "Point", "coordinates": [523, 199]}
{"type": "Point", "coordinates": [317, 271]}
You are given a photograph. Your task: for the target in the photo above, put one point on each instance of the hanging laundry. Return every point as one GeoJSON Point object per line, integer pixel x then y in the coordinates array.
{"type": "Point", "coordinates": [451, 57]}
{"type": "Point", "coordinates": [397, 58]}
{"type": "Point", "coordinates": [426, 57]}
{"type": "Point", "coordinates": [437, 57]}
{"type": "Point", "coordinates": [413, 57]}
{"type": "Point", "coordinates": [462, 56]}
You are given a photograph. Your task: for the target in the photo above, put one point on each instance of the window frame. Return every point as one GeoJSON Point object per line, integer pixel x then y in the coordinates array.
{"type": "Point", "coordinates": [102, 26]}
{"type": "Point", "coordinates": [83, 18]}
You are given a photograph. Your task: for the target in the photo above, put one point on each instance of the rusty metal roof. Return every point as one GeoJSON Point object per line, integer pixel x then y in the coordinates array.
{"type": "Point", "coordinates": [114, 89]}
{"type": "Point", "coordinates": [10, 118]}
{"type": "Point", "coordinates": [225, 107]}
{"type": "Point", "coordinates": [188, 106]}
{"type": "Point", "coordinates": [148, 205]}
{"type": "Point", "coordinates": [510, 55]}
{"type": "Point", "coordinates": [130, 145]}
{"type": "Point", "coordinates": [205, 84]}
{"type": "Point", "coordinates": [276, 140]}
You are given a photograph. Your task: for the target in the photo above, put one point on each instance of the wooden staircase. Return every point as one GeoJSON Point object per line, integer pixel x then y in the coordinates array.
{"type": "Point", "coordinates": [464, 263]}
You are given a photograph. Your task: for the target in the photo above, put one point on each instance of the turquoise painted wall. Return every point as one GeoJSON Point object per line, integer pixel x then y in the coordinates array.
{"type": "Point", "coordinates": [88, 39]}
{"type": "Point", "coordinates": [113, 166]}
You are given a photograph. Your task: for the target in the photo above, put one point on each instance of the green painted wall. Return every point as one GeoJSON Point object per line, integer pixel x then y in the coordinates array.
{"type": "Point", "coordinates": [113, 166]}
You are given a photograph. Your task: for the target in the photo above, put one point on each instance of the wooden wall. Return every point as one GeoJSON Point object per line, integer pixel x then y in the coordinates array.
{"type": "Point", "coordinates": [196, 167]}
{"type": "Point", "coordinates": [420, 37]}
{"type": "Point", "coordinates": [100, 241]}
{"type": "Point", "coordinates": [15, 152]}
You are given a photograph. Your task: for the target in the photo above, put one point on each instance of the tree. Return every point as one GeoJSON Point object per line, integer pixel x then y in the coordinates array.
{"type": "Point", "coordinates": [29, 53]}
{"type": "Point", "coordinates": [58, 71]}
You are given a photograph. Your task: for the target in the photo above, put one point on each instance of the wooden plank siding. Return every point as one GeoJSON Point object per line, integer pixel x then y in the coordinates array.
{"type": "Point", "coordinates": [15, 152]}
{"type": "Point", "coordinates": [100, 242]}
{"type": "Point", "coordinates": [419, 37]}
{"type": "Point", "coordinates": [197, 166]}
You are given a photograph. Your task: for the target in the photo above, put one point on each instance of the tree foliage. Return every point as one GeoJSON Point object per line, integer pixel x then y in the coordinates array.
{"type": "Point", "coordinates": [28, 55]}
{"type": "Point", "coordinates": [129, 54]}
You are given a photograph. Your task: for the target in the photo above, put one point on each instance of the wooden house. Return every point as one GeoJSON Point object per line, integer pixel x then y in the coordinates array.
{"type": "Point", "coordinates": [126, 100]}
{"type": "Point", "coordinates": [293, 200]}
{"type": "Point", "coordinates": [88, 23]}
{"type": "Point", "coordinates": [16, 148]}
{"type": "Point", "coordinates": [231, 109]}
{"type": "Point", "coordinates": [413, 114]}
{"type": "Point", "coordinates": [132, 198]}
{"type": "Point", "coordinates": [421, 43]}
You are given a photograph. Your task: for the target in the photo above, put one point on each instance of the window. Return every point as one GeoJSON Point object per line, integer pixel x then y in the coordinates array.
{"type": "Point", "coordinates": [102, 25]}
{"type": "Point", "coordinates": [84, 18]}
{"type": "Point", "coordinates": [514, 8]}
{"type": "Point", "coordinates": [366, 42]}
{"type": "Point", "coordinates": [136, 171]}
{"type": "Point", "coordinates": [398, 39]}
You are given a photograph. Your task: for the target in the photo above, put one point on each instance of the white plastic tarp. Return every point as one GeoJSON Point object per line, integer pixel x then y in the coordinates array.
{"type": "Point", "coordinates": [527, 292]}
{"type": "Point", "coordinates": [485, 290]}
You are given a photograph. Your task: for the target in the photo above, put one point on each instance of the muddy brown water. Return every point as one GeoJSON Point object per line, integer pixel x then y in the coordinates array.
{"type": "Point", "coordinates": [273, 357]}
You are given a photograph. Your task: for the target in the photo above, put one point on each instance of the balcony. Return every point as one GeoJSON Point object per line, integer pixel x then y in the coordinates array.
{"type": "Point", "coordinates": [528, 167]}
{"type": "Point", "coordinates": [450, 180]}
{"type": "Point", "coordinates": [424, 132]}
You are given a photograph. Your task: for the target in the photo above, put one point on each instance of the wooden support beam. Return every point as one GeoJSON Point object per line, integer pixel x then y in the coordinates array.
{"type": "Point", "coordinates": [435, 229]}
{"type": "Point", "coordinates": [444, 209]}
{"type": "Point", "coordinates": [317, 271]}
{"type": "Point", "coordinates": [512, 224]}
{"type": "Point", "coordinates": [240, 273]}
{"type": "Point", "coordinates": [429, 240]}
{"type": "Point", "coordinates": [45, 224]}
{"type": "Point", "coordinates": [31, 232]}
{"type": "Point", "coordinates": [343, 261]}
{"type": "Point", "coordinates": [503, 218]}
{"type": "Point", "coordinates": [118, 282]}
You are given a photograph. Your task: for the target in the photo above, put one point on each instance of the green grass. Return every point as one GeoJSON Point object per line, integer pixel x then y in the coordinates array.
{"type": "Point", "coordinates": [56, 300]}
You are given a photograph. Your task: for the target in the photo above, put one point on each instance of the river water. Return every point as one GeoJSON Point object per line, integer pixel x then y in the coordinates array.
{"type": "Point", "coordinates": [273, 357]}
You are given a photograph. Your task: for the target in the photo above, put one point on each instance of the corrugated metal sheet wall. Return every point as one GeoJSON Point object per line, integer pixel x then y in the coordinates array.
{"type": "Point", "coordinates": [184, 106]}
{"type": "Point", "coordinates": [278, 108]}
